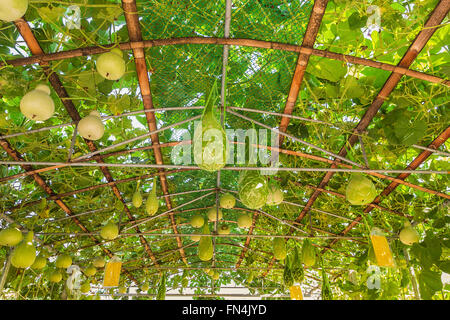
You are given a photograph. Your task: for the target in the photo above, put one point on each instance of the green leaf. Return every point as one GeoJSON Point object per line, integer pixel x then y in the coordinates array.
{"type": "Point", "coordinates": [434, 248]}
{"type": "Point", "coordinates": [444, 266]}
{"type": "Point", "coordinates": [432, 279]}
{"type": "Point", "coordinates": [355, 21]}
{"type": "Point", "coordinates": [331, 70]}
{"type": "Point", "coordinates": [423, 255]}
{"type": "Point", "coordinates": [397, 6]}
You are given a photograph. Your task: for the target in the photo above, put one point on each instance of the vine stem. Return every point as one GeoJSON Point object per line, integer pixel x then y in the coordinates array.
{"type": "Point", "coordinates": [20, 286]}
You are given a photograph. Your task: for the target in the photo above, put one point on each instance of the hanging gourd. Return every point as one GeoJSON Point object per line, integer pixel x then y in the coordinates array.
{"type": "Point", "coordinates": [205, 246]}
{"type": "Point", "coordinates": [90, 271]}
{"type": "Point", "coordinates": [223, 229]}
{"type": "Point", "coordinates": [137, 197]}
{"type": "Point", "coordinates": [111, 65]}
{"type": "Point", "coordinates": [152, 203]}
{"type": "Point", "coordinates": [409, 235]}
{"type": "Point", "coordinates": [227, 201]}
{"type": "Point", "coordinates": [91, 127]}
{"type": "Point", "coordinates": [297, 268]}
{"type": "Point", "coordinates": [98, 262]}
{"type": "Point", "coordinates": [244, 221]}
{"type": "Point", "coordinates": [37, 105]}
{"type": "Point", "coordinates": [11, 10]}
{"type": "Point", "coordinates": [288, 278]}
{"type": "Point", "coordinates": [10, 237]}
{"type": "Point", "coordinates": [308, 253]}
{"type": "Point", "coordinates": [279, 248]}
{"type": "Point", "coordinates": [214, 214]}
{"type": "Point", "coordinates": [275, 195]}
{"type": "Point", "coordinates": [216, 275]}
{"type": "Point", "coordinates": [109, 231]}
{"type": "Point", "coordinates": [253, 189]}
{"type": "Point", "coordinates": [210, 140]}
{"type": "Point", "coordinates": [197, 221]}
{"type": "Point", "coordinates": [39, 263]}
{"type": "Point", "coordinates": [24, 254]}
{"type": "Point", "coordinates": [360, 190]}
{"type": "Point", "coordinates": [55, 276]}
{"type": "Point", "coordinates": [327, 293]}
{"type": "Point", "coordinates": [63, 261]}
{"type": "Point", "coordinates": [85, 287]}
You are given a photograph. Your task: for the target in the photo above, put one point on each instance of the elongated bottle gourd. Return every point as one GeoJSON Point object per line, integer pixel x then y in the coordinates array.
{"type": "Point", "coordinates": [308, 253]}
{"type": "Point", "coordinates": [152, 204]}
{"type": "Point", "coordinates": [279, 248]}
{"type": "Point", "coordinates": [137, 197]}
{"type": "Point", "coordinates": [205, 246]}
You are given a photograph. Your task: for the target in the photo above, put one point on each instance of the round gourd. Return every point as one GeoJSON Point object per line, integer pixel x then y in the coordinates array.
{"type": "Point", "coordinates": [216, 275]}
{"type": "Point", "coordinates": [11, 10]}
{"type": "Point", "coordinates": [145, 287]}
{"type": "Point", "coordinates": [90, 271]}
{"type": "Point", "coordinates": [253, 189]}
{"type": "Point", "coordinates": [85, 287]}
{"type": "Point", "coordinates": [244, 221]}
{"type": "Point", "coordinates": [109, 231]}
{"type": "Point", "coordinates": [24, 254]}
{"type": "Point", "coordinates": [409, 235]}
{"type": "Point", "coordinates": [227, 201]}
{"type": "Point", "coordinates": [55, 277]}
{"type": "Point", "coordinates": [91, 127]}
{"type": "Point", "coordinates": [360, 190]}
{"type": "Point", "coordinates": [98, 262]}
{"type": "Point", "coordinates": [111, 65]}
{"type": "Point", "coordinates": [37, 105]}
{"type": "Point", "coordinates": [10, 237]}
{"type": "Point", "coordinates": [223, 229]}
{"type": "Point", "coordinates": [275, 196]}
{"type": "Point", "coordinates": [195, 238]}
{"type": "Point", "coordinates": [63, 261]}
{"type": "Point", "coordinates": [212, 214]}
{"type": "Point", "coordinates": [39, 263]}
{"type": "Point", "coordinates": [197, 221]}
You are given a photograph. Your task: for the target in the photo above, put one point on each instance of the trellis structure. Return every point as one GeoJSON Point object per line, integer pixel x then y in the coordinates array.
{"type": "Point", "coordinates": [287, 116]}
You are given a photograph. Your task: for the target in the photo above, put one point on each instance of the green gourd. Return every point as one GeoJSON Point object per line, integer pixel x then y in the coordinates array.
{"type": "Point", "coordinates": [152, 204]}
{"type": "Point", "coordinates": [24, 254]}
{"type": "Point", "coordinates": [279, 248]}
{"type": "Point", "coordinates": [205, 246]}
